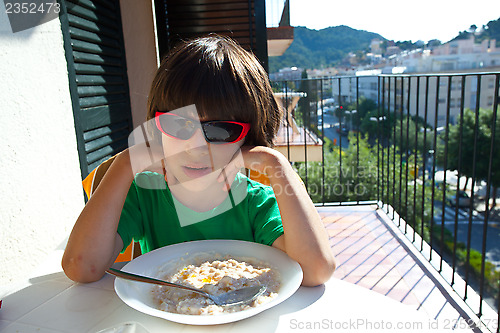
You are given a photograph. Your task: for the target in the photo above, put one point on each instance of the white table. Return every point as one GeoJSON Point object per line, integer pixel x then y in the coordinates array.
{"type": "Point", "coordinates": [50, 302]}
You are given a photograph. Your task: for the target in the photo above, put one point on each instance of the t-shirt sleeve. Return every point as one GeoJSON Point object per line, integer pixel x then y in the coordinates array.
{"type": "Point", "coordinates": [266, 216]}
{"type": "Point", "coordinates": [130, 225]}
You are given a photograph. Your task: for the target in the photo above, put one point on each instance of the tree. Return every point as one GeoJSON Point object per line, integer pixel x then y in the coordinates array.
{"type": "Point", "coordinates": [365, 105]}
{"type": "Point", "coordinates": [433, 43]}
{"type": "Point", "coordinates": [492, 30]}
{"type": "Point", "coordinates": [356, 173]}
{"type": "Point", "coordinates": [461, 155]}
{"type": "Point", "coordinates": [459, 150]}
{"type": "Point", "coordinates": [410, 136]}
{"type": "Point", "coordinates": [487, 127]}
{"type": "Point", "coordinates": [378, 124]}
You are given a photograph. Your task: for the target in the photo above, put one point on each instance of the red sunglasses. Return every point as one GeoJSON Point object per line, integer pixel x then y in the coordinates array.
{"type": "Point", "coordinates": [217, 131]}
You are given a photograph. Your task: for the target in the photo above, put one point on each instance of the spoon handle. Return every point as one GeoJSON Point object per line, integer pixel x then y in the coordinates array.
{"type": "Point", "coordinates": [140, 278]}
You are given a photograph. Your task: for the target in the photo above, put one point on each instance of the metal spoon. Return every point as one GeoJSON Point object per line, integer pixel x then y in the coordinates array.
{"type": "Point", "coordinates": [234, 297]}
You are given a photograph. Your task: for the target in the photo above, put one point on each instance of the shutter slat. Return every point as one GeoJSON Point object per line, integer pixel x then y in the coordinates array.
{"type": "Point", "coordinates": [97, 69]}
{"type": "Point", "coordinates": [91, 14]}
{"type": "Point", "coordinates": [179, 3]}
{"type": "Point", "coordinates": [86, 91]}
{"type": "Point", "coordinates": [100, 6]}
{"type": "Point", "coordinates": [209, 11]}
{"type": "Point", "coordinates": [105, 130]}
{"type": "Point", "coordinates": [92, 37]}
{"type": "Point", "coordinates": [191, 21]}
{"type": "Point", "coordinates": [218, 13]}
{"type": "Point", "coordinates": [96, 59]}
{"type": "Point", "coordinates": [211, 28]}
{"type": "Point", "coordinates": [101, 80]}
{"type": "Point", "coordinates": [83, 46]}
{"type": "Point", "coordinates": [94, 101]}
{"type": "Point", "coordinates": [105, 115]}
{"type": "Point", "coordinates": [84, 24]}
{"type": "Point", "coordinates": [104, 141]}
{"type": "Point", "coordinates": [106, 151]}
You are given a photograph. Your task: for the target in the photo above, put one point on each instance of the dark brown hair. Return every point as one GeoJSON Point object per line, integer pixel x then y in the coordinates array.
{"type": "Point", "coordinates": [223, 80]}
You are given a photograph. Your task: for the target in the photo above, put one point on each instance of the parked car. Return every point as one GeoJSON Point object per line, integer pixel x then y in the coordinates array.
{"type": "Point", "coordinates": [329, 110]}
{"type": "Point", "coordinates": [343, 131]}
{"type": "Point", "coordinates": [463, 199]}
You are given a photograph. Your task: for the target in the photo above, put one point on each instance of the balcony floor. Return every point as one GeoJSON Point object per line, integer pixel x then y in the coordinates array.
{"type": "Point", "coordinates": [371, 254]}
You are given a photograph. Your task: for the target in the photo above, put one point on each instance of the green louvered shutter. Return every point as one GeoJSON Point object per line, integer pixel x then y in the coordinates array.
{"type": "Point", "coordinates": [95, 52]}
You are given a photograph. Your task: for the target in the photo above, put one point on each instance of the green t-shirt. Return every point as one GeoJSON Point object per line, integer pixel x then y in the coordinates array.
{"type": "Point", "coordinates": [152, 216]}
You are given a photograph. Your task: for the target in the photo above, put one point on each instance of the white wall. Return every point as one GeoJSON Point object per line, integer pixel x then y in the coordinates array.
{"type": "Point", "coordinates": [40, 183]}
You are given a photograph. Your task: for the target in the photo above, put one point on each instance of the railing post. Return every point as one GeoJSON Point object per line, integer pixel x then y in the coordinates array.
{"type": "Point", "coordinates": [378, 140]}
{"type": "Point", "coordinates": [469, 230]}
{"type": "Point", "coordinates": [487, 199]}
{"type": "Point", "coordinates": [340, 138]}
{"type": "Point", "coordinates": [415, 165]}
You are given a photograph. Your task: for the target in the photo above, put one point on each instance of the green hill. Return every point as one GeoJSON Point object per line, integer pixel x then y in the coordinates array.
{"type": "Point", "coordinates": [327, 47]}
{"type": "Point", "coordinates": [322, 48]}
{"type": "Point", "coordinates": [488, 31]}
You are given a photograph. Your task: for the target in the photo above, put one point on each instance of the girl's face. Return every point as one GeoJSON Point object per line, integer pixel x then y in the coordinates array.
{"type": "Point", "coordinates": [195, 163]}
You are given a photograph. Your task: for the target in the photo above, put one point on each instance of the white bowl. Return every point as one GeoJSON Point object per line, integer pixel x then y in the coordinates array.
{"type": "Point", "coordinates": [138, 295]}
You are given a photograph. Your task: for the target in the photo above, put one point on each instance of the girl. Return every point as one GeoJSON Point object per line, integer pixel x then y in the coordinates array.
{"type": "Point", "coordinates": [214, 112]}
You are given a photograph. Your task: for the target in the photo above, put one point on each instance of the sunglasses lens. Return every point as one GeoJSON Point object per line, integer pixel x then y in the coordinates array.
{"type": "Point", "coordinates": [176, 126]}
{"type": "Point", "coordinates": [215, 131]}
{"type": "Point", "coordinates": [222, 132]}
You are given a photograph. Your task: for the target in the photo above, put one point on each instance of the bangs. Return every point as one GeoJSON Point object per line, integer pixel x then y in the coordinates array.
{"type": "Point", "coordinates": [214, 96]}
{"type": "Point", "coordinates": [223, 81]}
{"type": "Point", "coordinates": [208, 77]}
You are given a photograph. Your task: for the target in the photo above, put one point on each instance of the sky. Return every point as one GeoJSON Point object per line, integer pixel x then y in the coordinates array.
{"type": "Point", "coordinates": [396, 20]}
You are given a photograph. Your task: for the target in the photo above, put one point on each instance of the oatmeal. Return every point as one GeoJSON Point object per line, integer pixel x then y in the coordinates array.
{"type": "Point", "coordinates": [215, 277]}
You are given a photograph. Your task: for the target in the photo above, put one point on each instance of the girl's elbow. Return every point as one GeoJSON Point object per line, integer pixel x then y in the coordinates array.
{"type": "Point", "coordinates": [329, 268]}
{"type": "Point", "coordinates": [79, 272]}
{"type": "Point", "coordinates": [320, 272]}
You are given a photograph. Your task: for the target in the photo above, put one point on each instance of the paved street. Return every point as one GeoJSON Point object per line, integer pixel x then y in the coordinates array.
{"type": "Point", "coordinates": [476, 232]}
{"type": "Point", "coordinates": [331, 125]}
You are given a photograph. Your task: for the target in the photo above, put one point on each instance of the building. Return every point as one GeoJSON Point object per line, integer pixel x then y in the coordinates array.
{"type": "Point", "coordinates": [458, 56]}
{"type": "Point", "coordinates": [376, 46]}
{"type": "Point", "coordinates": [287, 74]}
{"type": "Point", "coordinates": [431, 89]}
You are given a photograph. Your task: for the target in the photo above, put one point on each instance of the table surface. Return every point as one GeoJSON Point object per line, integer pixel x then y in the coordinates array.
{"type": "Point", "coordinates": [50, 302]}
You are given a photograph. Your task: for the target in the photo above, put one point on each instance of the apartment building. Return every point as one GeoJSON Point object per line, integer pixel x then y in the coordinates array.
{"type": "Point", "coordinates": [425, 66]}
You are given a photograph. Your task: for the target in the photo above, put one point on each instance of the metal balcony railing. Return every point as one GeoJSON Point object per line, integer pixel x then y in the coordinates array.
{"type": "Point", "coordinates": [422, 147]}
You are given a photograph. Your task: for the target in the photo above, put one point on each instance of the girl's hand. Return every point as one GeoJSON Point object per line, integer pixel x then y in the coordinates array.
{"type": "Point", "coordinates": [228, 173]}
{"type": "Point", "coordinates": [146, 153]}
{"type": "Point", "coordinates": [146, 157]}
{"type": "Point", "coordinates": [249, 157]}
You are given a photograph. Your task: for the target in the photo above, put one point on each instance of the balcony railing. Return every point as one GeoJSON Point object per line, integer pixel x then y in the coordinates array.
{"type": "Point", "coordinates": [423, 148]}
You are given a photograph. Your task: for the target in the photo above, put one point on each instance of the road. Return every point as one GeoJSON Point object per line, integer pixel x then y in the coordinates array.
{"type": "Point", "coordinates": [477, 229]}
{"type": "Point", "coordinates": [331, 125]}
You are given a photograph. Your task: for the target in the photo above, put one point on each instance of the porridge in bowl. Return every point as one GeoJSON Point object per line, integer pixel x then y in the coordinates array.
{"type": "Point", "coordinates": [215, 277]}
